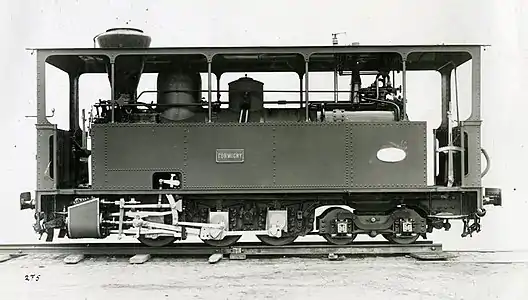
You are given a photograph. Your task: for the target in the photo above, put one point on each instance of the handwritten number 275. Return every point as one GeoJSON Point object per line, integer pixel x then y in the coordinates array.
{"type": "Point", "coordinates": [32, 277]}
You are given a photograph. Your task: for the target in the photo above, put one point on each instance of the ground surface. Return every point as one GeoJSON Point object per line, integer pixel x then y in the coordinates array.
{"type": "Point", "coordinates": [469, 276]}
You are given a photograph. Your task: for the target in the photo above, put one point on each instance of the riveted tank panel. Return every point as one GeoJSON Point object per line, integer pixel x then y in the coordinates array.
{"type": "Point", "coordinates": [289, 155]}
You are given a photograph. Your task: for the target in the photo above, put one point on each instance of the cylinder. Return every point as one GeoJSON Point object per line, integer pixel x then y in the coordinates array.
{"type": "Point", "coordinates": [84, 220]}
{"type": "Point", "coordinates": [178, 87]}
{"type": "Point", "coordinates": [246, 93]}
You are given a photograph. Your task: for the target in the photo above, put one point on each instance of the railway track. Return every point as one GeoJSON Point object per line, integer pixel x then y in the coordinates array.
{"type": "Point", "coordinates": [141, 253]}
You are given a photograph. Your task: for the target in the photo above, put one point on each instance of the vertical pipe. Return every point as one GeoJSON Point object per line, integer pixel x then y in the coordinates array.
{"type": "Point", "coordinates": [209, 92]}
{"type": "Point", "coordinates": [449, 113]}
{"type": "Point", "coordinates": [336, 86]}
{"type": "Point", "coordinates": [351, 97]}
{"type": "Point", "coordinates": [217, 87]}
{"type": "Point", "coordinates": [55, 157]}
{"type": "Point", "coordinates": [435, 162]}
{"type": "Point", "coordinates": [404, 87]}
{"type": "Point", "coordinates": [83, 139]}
{"type": "Point", "coordinates": [301, 90]}
{"type": "Point", "coordinates": [335, 42]}
{"type": "Point", "coordinates": [306, 88]}
{"type": "Point", "coordinates": [112, 101]}
{"type": "Point", "coordinates": [74, 102]}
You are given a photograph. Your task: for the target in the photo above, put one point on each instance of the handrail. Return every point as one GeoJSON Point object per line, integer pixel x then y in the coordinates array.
{"type": "Point", "coordinates": [488, 162]}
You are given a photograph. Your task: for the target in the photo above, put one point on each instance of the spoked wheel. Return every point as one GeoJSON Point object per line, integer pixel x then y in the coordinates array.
{"type": "Point", "coordinates": [273, 241]}
{"type": "Point", "coordinates": [339, 240]}
{"type": "Point", "coordinates": [160, 241]}
{"type": "Point", "coordinates": [401, 239]}
{"type": "Point", "coordinates": [225, 242]}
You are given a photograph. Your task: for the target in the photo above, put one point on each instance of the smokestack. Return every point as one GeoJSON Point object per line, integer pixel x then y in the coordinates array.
{"type": "Point", "coordinates": [127, 69]}
{"type": "Point", "coordinates": [123, 38]}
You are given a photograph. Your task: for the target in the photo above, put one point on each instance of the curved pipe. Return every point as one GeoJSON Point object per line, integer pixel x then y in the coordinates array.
{"type": "Point", "coordinates": [488, 162]}
{"type": "Point", "coordinates": [398, 111]}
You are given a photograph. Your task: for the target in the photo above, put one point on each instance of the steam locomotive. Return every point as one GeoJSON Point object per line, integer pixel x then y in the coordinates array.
{"type": "Point", "coordinates": [218, 169]}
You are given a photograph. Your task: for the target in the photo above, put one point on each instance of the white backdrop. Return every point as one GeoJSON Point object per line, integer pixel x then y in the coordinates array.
{"type": "Point", "coordinates": [271, 22]}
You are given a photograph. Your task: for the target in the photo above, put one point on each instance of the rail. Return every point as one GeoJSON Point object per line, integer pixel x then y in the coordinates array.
{"type": "Point", "coordinates": [200, 249]}
{"type": "Point", "coordinates": [422, 250]}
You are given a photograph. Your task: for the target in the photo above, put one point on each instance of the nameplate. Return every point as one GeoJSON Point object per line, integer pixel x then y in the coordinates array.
{"type": "Point", "coordinates": [229, 156]}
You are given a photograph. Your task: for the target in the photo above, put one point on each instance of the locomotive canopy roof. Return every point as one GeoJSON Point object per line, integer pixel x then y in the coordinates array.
{"type": "Point", "coordinates": [265, 59]}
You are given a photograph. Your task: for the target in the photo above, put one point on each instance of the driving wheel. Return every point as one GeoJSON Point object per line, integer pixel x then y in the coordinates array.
{"type": "Point", "coordinates": [273, 241]}
{"type": "Point", "coordinates": [339, 240]}
{"type": "Point", "coordinates": [225, 242]}
{"type": "Point", "coordinates": [403, 239]}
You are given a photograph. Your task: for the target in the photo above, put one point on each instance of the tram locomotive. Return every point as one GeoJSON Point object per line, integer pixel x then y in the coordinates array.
{"type": "Point", "coordinates": [218, 169]}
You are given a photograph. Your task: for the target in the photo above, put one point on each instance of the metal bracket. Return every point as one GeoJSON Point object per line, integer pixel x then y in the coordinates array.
{"type": "Point", "coordinates": [47, 116]}
{"type": "Point", "coordinates": [275, 231]}
{"type": "Point", "coordinates": [172, 183]}
{"type": "Point", "coordinates": [470, 229]}
{"type": "Point", "coordinates": [121, 217]}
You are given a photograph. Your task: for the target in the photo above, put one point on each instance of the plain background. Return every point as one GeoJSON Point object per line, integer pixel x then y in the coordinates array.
{"type": "Point", "coordinates": [502, 24]}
